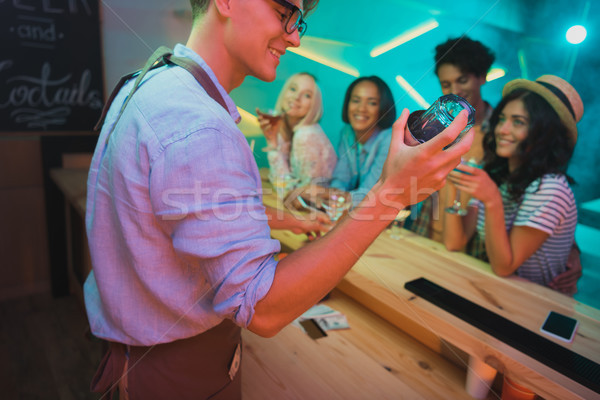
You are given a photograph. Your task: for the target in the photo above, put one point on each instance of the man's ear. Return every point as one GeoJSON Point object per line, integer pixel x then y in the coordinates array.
{"type": "Point", "coordinates": [223, 7]}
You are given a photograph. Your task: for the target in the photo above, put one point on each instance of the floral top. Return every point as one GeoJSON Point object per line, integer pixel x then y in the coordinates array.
{"type": "Point", "coordinates": [311, 160]}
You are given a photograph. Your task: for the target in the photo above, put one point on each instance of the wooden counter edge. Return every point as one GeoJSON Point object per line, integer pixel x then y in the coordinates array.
{"type": "Point", "coordinates": [381, 302]}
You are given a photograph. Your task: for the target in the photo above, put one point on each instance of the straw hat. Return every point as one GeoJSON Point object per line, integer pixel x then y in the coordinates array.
{"type": "Point", "coordinates": [561, 96]}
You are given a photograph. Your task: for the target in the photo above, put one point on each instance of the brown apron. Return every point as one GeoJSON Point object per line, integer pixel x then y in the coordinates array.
{"type": "Point", "coordinates": [193, 368]}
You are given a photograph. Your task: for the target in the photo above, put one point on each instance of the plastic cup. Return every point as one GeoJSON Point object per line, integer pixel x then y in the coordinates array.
{"type": "Point", "coordinates": [480, 377]}
{"type": "Point", "coordinates": [514, 391]}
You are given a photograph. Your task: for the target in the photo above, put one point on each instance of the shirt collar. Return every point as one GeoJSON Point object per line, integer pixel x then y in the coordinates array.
{"type": "Point", "coordinates": [370, 142]}
{"type": "Point", "coordinates": [182, 51]}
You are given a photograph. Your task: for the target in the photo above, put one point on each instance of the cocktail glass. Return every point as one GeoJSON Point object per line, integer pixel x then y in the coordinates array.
{"type": "Point", "coordinates": [282, 183]}
{"type": "Point", "coordinates": [398, 223]}
{"type": "Point", "coordinates": [336, 205]}
{"type": "Point", "coordinates": [457, 207]}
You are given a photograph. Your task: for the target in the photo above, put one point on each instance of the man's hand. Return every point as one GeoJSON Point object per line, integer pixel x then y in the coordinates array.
{"type": "Point", "coordinates": [308, 274]}
{"type": "Point", "coordinates": [412, 173]}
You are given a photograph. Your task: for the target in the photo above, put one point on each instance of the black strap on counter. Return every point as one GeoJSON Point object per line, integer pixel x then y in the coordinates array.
{"type": "Point", "coordinates": [162, 56]}
{"type": "Point", "coordinates": [559, 358]}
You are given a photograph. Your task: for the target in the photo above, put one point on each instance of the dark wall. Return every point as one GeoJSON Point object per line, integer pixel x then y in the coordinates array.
{"type": "Point", "coordinates": [50, 65]}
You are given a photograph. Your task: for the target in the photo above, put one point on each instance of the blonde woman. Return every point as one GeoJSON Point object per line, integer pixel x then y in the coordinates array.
{"type": "Point", "coordinates": [297, 145]}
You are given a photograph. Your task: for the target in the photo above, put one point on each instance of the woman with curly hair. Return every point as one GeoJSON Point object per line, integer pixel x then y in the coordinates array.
{"type": "Point", "coordinates": [522, 205]}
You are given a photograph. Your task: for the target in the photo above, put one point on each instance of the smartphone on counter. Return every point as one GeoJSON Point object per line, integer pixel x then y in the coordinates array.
{"type": "Point", "coordinates": [560, 326]}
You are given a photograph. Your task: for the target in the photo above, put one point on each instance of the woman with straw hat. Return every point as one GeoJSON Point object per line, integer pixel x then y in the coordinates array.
{"type": "Point", "coordinates": [522, 204]}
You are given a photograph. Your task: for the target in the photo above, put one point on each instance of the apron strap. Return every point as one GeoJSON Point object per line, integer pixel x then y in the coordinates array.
{"type": "Point", "coordinates": [106, 379]}
{"type": "Point", "coordinates": [151, 63]}
{"type": "Point", "coordinates": [200, 75]}
{"type": "Point", "coordinates": [161, 56]}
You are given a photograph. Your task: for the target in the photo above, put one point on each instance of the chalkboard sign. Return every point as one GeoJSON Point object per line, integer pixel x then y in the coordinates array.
{"type": "Point", "coordinates": [50, 65]}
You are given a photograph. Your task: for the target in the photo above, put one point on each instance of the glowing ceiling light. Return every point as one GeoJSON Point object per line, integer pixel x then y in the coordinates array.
{"type": "Point", "coordinates": [576, 34]}
{"type": "Point", "coordinates": [523, 63]}
{"type": "Point", "coordinates": [248, 117]}
{"type": "Point", "coordinates": [325, 61]}
{"type": "Point", "coordinates": [405, 37]}
{"type": "Point", "coordinates": [412, 92]}
{"type": "Point", "coordinates": [314, 40]}
{"type": "Point", "coordinates": [495, 73]}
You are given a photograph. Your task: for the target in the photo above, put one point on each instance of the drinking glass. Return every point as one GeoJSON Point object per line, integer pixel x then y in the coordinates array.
{"type": "Point", "coordinates": [424, 125]}
{"type": "Point", "coordinates": [273, 117]}
{"type": "Point", "coordinates": [457, 207]}
{"type": "Point", "coordinates": [282, 183]}
{"type": "Point", "coordinates": [336, 205]}
{"type": "Point", "coordinates": [398, 223]}
{"type": "Point", "coordinates": [514, 391]}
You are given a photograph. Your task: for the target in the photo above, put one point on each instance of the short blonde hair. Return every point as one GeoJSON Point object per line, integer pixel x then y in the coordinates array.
{"type": "Point", "coordinates": [315, 112]}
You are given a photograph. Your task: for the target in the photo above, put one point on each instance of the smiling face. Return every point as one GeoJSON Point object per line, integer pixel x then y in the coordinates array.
{"type": "Point", "coordinates": [256, 38]}
{"type": "Point", "coordinates": [363, 110]}
{"type": "Point", "coordinates": [298, 98]}
{"type": "Point", "coordinates": [465, 85]}
{"type": "Point", "coordinates": [512, 129]}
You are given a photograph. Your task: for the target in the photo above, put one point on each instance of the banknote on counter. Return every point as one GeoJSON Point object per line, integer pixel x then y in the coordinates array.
{"type": "Point", "coordinates": [326, 317]}
{"type": "Point", "coordinates": [332, 322]}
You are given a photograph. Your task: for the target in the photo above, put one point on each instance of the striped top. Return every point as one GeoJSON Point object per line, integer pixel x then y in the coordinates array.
{"type": "Point", "coordinates": [548, 205]}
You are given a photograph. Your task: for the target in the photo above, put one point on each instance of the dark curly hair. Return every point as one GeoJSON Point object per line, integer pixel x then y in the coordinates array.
{"type": "Point", "coordinates": [470, 56]}
{"type": "Point", "coordinates": [547, 148]}
{"type": "Point", "coordinates": [387, 106]}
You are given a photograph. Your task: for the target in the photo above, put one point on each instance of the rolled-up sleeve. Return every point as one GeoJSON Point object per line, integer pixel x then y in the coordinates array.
{"type": "Point", "coordinates": [207, 198]}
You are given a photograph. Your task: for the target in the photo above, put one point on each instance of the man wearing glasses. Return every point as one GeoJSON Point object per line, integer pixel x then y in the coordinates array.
{"type": "Point", "coordinates": [180, 245]}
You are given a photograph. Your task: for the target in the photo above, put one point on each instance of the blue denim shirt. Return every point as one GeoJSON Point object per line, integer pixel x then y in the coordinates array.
{"type": "Point", "coordinates": [177, 231]}
{"type": "Point", "coordinates": [359, 166]}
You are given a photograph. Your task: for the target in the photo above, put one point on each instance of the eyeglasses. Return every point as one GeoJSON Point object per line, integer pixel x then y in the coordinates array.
{"type": "Point", "coordinates": [294, 19]}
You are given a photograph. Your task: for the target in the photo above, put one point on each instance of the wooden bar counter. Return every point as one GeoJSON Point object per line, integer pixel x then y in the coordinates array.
{"type": "Point", "coordinates": [378, 278]}
{"type": "Point", "coordinates": [377, 282]}
{"type": "Point", "coordinates": [372, 359]}
{"type": "Point", "coordinates": [378, 357]}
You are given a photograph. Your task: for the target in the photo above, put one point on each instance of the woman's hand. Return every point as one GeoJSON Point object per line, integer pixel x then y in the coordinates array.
{"type": "Point", "coordinates": [313, 224]}
{"type": "Point", "coordinates": [316, 195]}
{"type": "Point", "coordinates": [476, 182]}
{"type": "Point", "coordinates": [567, 281]}
{"type": "Point", "coordinates": [270, 126]}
